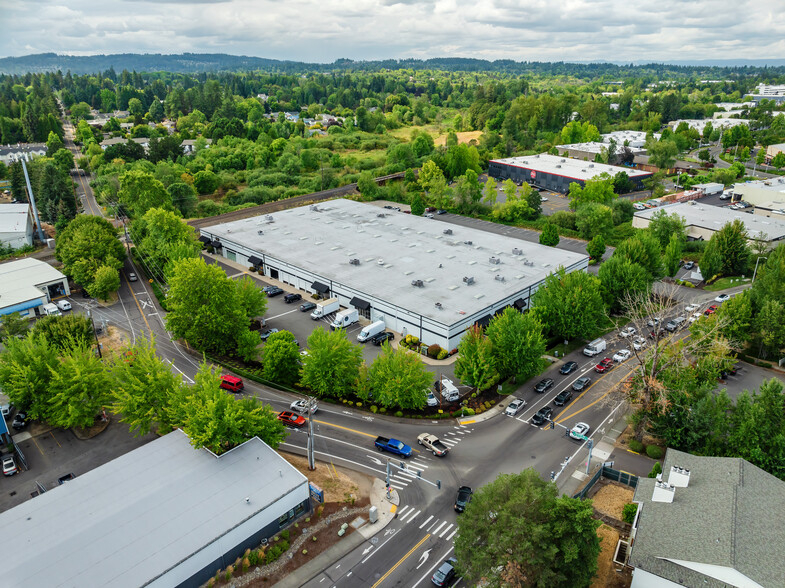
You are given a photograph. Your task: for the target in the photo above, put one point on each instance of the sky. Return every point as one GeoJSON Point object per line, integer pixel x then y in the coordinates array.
{"type": "Point", "coordinates": [325, 30]}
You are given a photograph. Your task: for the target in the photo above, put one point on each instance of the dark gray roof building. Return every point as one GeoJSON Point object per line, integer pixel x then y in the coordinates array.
{"type": "Point", "coordinates": [712, 522]}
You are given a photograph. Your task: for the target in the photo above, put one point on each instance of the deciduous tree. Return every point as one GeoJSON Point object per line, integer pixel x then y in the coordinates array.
{"type": "Point", "coordinates": [476, 365]}
{"type": "Point", "coordinates": [621, 277]}
{"type": "Point", "coordinates": [517, 344]}
{"type": "Point", "coordinates": [663, 226]}
{"type": "Point", "coordinates": [597, 191]}
{"type": "Point", "coordinates": [672, 257]}
{"type": "Point", "coordinates": [79, 389]}
{"type": "Point", "coordinates": [88, 243]}
{"type": "Point", "coordinates": [596, 247]}
{"type": "Point", "coordinates": [594, 219]}
{"type": "Point", "coordinates": [570, 305]}
{"type": "Point", "coordinates": [549, 235]}
{"type": "Point", "coordinates": [397, 377]}
{"type": "Point", "coordinates": [331, 368]}
{"type": "Point", "coordinates": [140, 191]}
{"type": "Point", "coordinates": [281, 359]}
{"type": "Point", "coordinates": [26, 368]}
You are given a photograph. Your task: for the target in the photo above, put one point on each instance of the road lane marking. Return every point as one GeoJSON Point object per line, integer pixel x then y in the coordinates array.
{"type": "Point", "coordinates": [436, 530]}
{"type": "Point", "coordinates": [411, 516]}
{"type": "Point", "coordinates": [403, 510]}
{"type": "Point", "coordinates": [426, 521]}
{"type": "Point", "coordinates": [450, 536]}
{"type": "Point", "coordinates": [445, 530]}
{"type": "Point", "coordinates": [345, 428]}
{"type": "Point", "coordinates": [375, 551]}
{"type": "Point", "coordinates": [437, 563]}
{"type": "Point", "coordinates": [400, 561]}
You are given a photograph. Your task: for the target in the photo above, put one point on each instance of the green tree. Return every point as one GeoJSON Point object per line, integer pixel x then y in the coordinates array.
{"type": "Point", "coordinates": [534, 200]}
{"type": "Point", "coordinates": [418, 206]}
{"type": "Point", "coordinates": [623, 210]}
{"type": "Point", "coordinates": [64, 160]}
{"type": "Point", "coordinates": [510, 190]}
{"type": "Point", "coordinates": [549, 235]}
{"type": "Point", "coordinates": [398, 378]}
{"type": "Point", "coordinates": [663, 226]}
{"type": "Point", "coordinates": [662, 153]}
{"type": "Point", "coordinates": [517, 344]}
{"type": "Point", "coordinates": [79, 389]}
{"type": "Point", "coordinates": [737, 318]}
{"type": "Point", "coordinates": [770, 326]}
{"type": "Point", "coordinates": [760, 158]}
{"type": "Point", "coordinates": [26, 368]}
{"type": "Point", "coordinates": [136, 109]}
{"type": "Point", "coordinates": [621, 278]}
{"type": "Point", "coordinates": [778, 160]}
{"type": "Point", "coordinates": [183, 198]}
{"type": "Point", "coordinates": [85, 245]}
{"type": "Point", "coordinates": [53, 144]}
{"type": "Point", "coordinates": [732, 247]}
{"type": "Point", "coordinates": [711, 261]}
{"type": "Point", "coordinates": [106, 281]}
{"type": "Point", "coordinates": [476, 362]}
{"type": "Point", "coordinates": [758, 425]}
{"type": "Point", "coordinates": [367, 186]}
{"type": "Point", "coordinates": [596, 247]}
{"type": "Point", "coordinates": [281, 359]}
{"type": "Point", "coordinates": [643, 249]}
{"type": "Point", "coordinates": [65, 332]}
{"type": "Point", "coordinates": [596, 191]}
{"type": "Point", "coordinates": [570, 305]}
{"type": "Point", "coordinates": [13, 326]}
{"type": "Point", "coordinates": [143, 386]}
{"type": "Point", "coordinates": [206, 182]}
{"type": "Point", "coordinates": [162, 237]}
{"type": "Point", "coordinates": [252, 300]}
{"type": "Point", "coordinates": [594, 219]}
{"type": "Point", "coordinates": [516, 531]}
{"type": "Point", "coordinates": [204, 308]}
{"type": "Point", "coordinates": [80, 111]}
{"type": "Point", "coordinates": [490, 191]}
{"type": "Point", "coordinates": [332, 366]}
{"type": "Point", "coordinates": [140, 191]}
{"type": "Point", "coordinates": [673, 253]}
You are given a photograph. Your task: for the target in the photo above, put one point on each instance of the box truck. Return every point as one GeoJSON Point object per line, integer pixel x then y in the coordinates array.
{"type": "Point", "coordinates": [345, 318]}
{"type": "Point", "coordinates": [595, 347]}
{"type": "Point", "coordinates": [371, 330]}
{"type": "Point", "coordinates": [325, 307]}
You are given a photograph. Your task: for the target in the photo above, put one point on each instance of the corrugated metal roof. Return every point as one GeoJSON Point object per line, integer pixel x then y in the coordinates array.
{"type": "Point", "coordinates": [19, 280]}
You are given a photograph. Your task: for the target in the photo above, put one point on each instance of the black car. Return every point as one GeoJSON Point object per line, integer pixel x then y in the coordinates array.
{"type": "Point", "coordinates": [273, 291]}
{"type": "Point", "coordinates": [292, 298]}
{"type": "Point", "coordinates": [463, 498]}
{"type": "Point", "coordinates": [543, 385]}
{"type": "Point", "coordinates": [441, 211]}
{"type": "Point", "coordinates": [581, 384]}
{"type": "Point", "coordinates": [306, 306]}
{"type": "Point", "coordinates": [563, 397]}
{"type": "Point", "coordinates": [445, 574]}
{"type": "Point", "coordinates": [568, 368]}
{"type": "Point", "coordinates": [266, 333]}
{"type": "Point", "coordinates": [20, 421]}
{"type": "Point", "coordinates": [380, 338]}
{"type": "Point", "coordinates": [542, 415]}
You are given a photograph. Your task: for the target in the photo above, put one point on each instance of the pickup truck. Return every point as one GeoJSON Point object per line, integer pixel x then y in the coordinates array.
{"type": "Point", "coordinates": [393, 446]}
{"type": "Point", "coordinates": [432, 444]}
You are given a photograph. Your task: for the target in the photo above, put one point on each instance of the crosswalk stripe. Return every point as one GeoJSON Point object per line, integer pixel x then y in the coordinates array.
{"type": "Point", "coordinates": [409, 475]}
{"type": "Point", "coordinates": [451, 534]}
{"type": "Point", "coordinates": [411, 516]}
{"type": "Point", "coordinates": [445, 530]}
{"type": "Point", "coordinates": [402, 510]}
{"type": "Point", "coordinates": [426, 521]}
{"type": "Point", "coordinates": [461, 432]}
{"type": "Point", "coordinates": [419, 465]}
{"type": "Point", "coordinates": [439, 527]}
{"type": "Point", "coordinates": [397, 487]}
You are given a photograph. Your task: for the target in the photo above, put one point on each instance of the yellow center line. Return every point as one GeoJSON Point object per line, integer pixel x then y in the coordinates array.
{"type": "Point", "coordinates": [560, 419]}
{"type": "Point", "coordinates": [139, 306]}
{"type": "Point", "coordinates": [400, 561]}
{"type": "Point", "coordinates": [354, 431]}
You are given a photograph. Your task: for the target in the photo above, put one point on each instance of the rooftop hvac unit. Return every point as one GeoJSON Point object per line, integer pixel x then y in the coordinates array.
{"type": "Point", "coordinates": [447, 231]}
{"type": "Point", "coordinates": [260, 232]}
{"type": "Point", "coordinates": [591, 165]}
{"type": "Point", "coordinates": [418, 283]}
{"type": "Point", "coordinates": [381, 215]}
{"type": "Point", "coordinates": [495, 260]}
{"type": "Point", "coordinates": [527, 262]}
{"type": "Point", "coordinates": [438, 305]}
{"type": "Point", "coordinates": [269, 218]}
{"type": "Point", "coordinates": [314, 208]}
{"type": "Point", "coordinates": [583, 170]}
{"type": "Point", "coordinates": [562, 160]}
{"type": "Point", "coordinates": [558, 165]}
{"type": "Point", "coordinates": [468, 280]}
{"type": "Point", "coordinates": [499, 278]}
{"type": "Point", "coordinates": [467, 243]}
{"type": "Point", "coordinates": [354, 261]}
{"type": "Point", "coordinates": [516, 251]}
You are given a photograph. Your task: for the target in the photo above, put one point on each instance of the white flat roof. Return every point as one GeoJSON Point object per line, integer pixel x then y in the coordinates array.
{"type": "Point", "coordinates": [138, 516]}
{"type": "Point", "coordinates": [18, 280]}
{"type": "Point", "coordinates": [776, 185]}
{"type": "Point", "coordinates": [395, 249]}
{"type": "Point", "coordinates": [13, 218]}
{"type": "Point", "coordinates": [715, 217]}
{"type": "Point", "coordinates": [567, 167]}
{"type": "Point", "coordinates": [597, 147]}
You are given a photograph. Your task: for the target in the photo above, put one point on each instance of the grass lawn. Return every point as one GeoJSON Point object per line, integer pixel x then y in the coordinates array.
{"type": "Point", "coordinates": [729, 282]}
{"type": "Point", "coordinates": [563, 349]}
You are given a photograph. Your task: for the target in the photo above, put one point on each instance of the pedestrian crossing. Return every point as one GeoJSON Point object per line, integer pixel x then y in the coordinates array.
{"type": "Point", "coordinates": [436, 527]}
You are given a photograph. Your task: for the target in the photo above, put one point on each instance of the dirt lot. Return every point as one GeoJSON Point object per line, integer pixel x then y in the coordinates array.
{"type": "Point", "coordinates": [611, 498]}
{"type": "Point", "coordinates": [339, 485]}
{"type": "Point", "coordinates": [607, 576]}
{"type": "Point", "coordinates": [463, 137]}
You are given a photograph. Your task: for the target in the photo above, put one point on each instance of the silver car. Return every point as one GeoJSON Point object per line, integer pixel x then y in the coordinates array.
{"type": "Point", "coordinates": [514, 407]}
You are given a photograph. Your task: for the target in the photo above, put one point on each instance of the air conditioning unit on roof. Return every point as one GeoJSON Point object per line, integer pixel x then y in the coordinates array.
{"type": "Point", "coordinates": [447, 231]}
{"type": "Point", "coordinates": [468, 280]}
{"type": "Point", "coordinates": [354, 261]}
{"type": "Point", "coordinates": [418, 283]}
{"type": "Point", "coordinates": [516, 251]}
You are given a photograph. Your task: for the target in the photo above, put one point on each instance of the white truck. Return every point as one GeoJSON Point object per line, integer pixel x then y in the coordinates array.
{"type": "Point", "coordinates": [447, 388]}
{"type": "Point", "coordinates": [325, 307]}
{"type": "Point", "coordinates": [345, 318]}
{"type": "Point", "coordinates": [369, 331]}
{"type": "Point", "coordinates": [595, 347]}
{"type": "Point", "coordinates": [52, 310]}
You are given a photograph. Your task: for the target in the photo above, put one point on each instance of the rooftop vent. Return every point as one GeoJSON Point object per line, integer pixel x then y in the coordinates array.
{"type": "Point", "coordinates": [468, 280]}
{"type": "Point", "coordinates": [380, 261]}
{"type": "Point", "coordinates": [558, 165]}
{"type": "Point", "coordinates": [591, 165]}
{"type": "Point", "coordinates": [663, 492]}
{"type": "Point", "coordinates": [583, 170]}
{"type": "Point", "coordinates": [499, 278]}
{"type": "Point", "coordinates": [494, 260]}
{"type": "Point", "coordinates": [314, 208]}
{"type": "Point", "coordinates": [527, 262]}
{"type": "Point", "coordinates": [439, 305]}
{"type": "Point", "coordinates": [269, 218]}
{"type": "Point", "coordinates": [381, 215]}
{"type": "Point", "coordinates": [679, 477]}
{"type": "Point", "coordinates": [562, 160]}
{"type": "Point", "coordinates": [467, 243]}
{"type": "Point", "coordinates": [516, 251]}
{"type": "Point", "coordinates": [354, 261]}
{"type": "Point", "coordinates": [418, 283]}
{"type": "Point", "coordinates": [447, 231]}
{"type": "Point", "coordinates": [260, 232]}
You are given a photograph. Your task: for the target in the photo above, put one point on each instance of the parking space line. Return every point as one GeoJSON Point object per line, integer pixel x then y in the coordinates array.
{"type": "Point", "coordinates": [55, 438]}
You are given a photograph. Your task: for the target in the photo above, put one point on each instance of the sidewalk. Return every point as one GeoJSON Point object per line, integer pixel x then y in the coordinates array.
{"type": "Point", "coordinates": [386, 510]}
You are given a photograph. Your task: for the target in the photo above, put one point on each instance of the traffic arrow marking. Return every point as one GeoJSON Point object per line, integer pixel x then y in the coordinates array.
{"type": "Point", "coordinates": [424, 558]}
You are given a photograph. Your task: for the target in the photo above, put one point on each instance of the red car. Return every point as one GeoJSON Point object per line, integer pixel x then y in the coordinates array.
{"type": "Point", "coordinates": [231, 383]}
{"type": "Point", "coordinates": [710, 310]}
{"type": "Point", "coordinates": [292, 419]}
{"type": "Point", "coordinates": [604, 365]}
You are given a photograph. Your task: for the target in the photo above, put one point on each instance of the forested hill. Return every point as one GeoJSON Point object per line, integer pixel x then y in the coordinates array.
{"type": "Point", "coordinates": [199, 62]}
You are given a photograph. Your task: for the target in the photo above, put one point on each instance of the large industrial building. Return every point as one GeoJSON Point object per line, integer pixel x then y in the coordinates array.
{"type": "Point", "coordinates": [704, 220]}
{"type": "Point", "coordinates": [27, 284]}
{"type": "Point", "coordinates": [555, 173]}
{"type": "Point", "coordinates": [164, 515]}
{"type": "Point", "coordinates": [422, 277]}
{"type": "Point", "coordinates": [767, 196]}
{"type": "Point", "coordinates": [16, 225]}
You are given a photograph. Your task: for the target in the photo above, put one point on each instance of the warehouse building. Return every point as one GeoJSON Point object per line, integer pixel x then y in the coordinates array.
{"type": "Point", "coordinates": [163, 515]}
{"type": "Point", "coordinates": [16, 225]}
{"type": "Point", "coordinates": [704, 220]}
{"type": "Point", "coordinates": [762, 193]}
{"type": "Point", "coordinates": [551, 172]}
{"type": "Point", "coordinates": [27, 284]}
{"type": "Point", "coordinates": [421, 276]}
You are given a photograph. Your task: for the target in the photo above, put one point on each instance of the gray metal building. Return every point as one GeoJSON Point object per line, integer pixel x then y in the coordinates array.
{"type": "Point", "coordinates": [421, 276]}
{"type": "Point", "coordinates": [163, 515]}
{"type": "Point", "coordinates": [27, 284]}
{"type": "Point", "coordinates": [555, 173]}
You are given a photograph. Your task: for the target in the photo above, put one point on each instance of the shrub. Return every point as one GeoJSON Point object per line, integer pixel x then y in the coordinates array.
{"type": "Point", "coordinates": [383, 409]}
{"type": "Point", "coordinates": [246, 564]}
{"type": "Point", "coordinates": [285, 535]}
{"type": "Point", "coordinates": [654, 452]}
{"type": "Point", "coordinates": [229, 572]}
{"type": "Point", "coordinates": [469, 412]}
{"type": "Point", "coordinates": [305, 552]}
{"type": "Point", "coordinates": [359, 405]}
{"type": "Point", "coordinates": [320, 510]}
{"type": "Point", "coordinates": [763, 364]}
{"type": "Point", "coordinates": [398, 413]}
{"type": "Point", "coordinates": [636, 446]}
{"type": "Point", "coordinates": [656, 470]}
{"type": "Point", "coordinates": [284, 546]}
{"type": "Point", "coordinates": [211, 583]}
{"type": "Point", "coordinates": [628, 512]}
{"type": "Point", "coordinates": [434, 350]}
{"type": "Point", "coordinates": [253, 558]}
{"type": "Point", "coordinates": [442, 354]}
{"type": "Point", "coordinates": [313, 538]}
{"type": "Point", "coordinates": [374, 408]}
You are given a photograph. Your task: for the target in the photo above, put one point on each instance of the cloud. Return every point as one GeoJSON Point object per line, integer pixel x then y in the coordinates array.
{"type": "Point", "coordinates": [324, 30]}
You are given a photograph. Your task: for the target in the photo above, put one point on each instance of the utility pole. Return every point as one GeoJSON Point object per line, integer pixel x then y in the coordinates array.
{"type": "Point", "coordinates": [310, 405]}
{"type": "Point", "coordinates": [92, 324]}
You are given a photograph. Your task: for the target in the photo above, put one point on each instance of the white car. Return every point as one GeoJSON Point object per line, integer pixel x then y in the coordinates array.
{"type": "Point", "coordinates": [301, 406]}
{"type": "Point", "coordinates": [638, 343]}
{"type": "Point", "coordinates": [628, 332]}
{"type": "Point", "coordinates": [431, 399]}
{"type": "Point", "coordinates": [514, 407]}
{"type": "Point", "coordinates": [722, 298]}
{"type": "Point", "coordinates": [63, 305]}
{"type": "Point", "coordinates": [621, 355]}
{"type": "Point", "coordinates": [581, 429]}
{"type": "Point", "coordinates": [638, 206]}
{"type": "Point", "coordinates": [692, 307]}
{"type": "Point", "coordinates": [695, 316]}
{"type": "Point", "coordinates": [654, 321]}
{"type": "Point", "coordinates": [543, 199]}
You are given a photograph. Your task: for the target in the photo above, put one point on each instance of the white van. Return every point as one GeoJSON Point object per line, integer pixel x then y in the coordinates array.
{"type": "Point", "coordinates": [52, 310]}
{"type": "Point", "coordinates": [595, 347]}
{"type": "Point", "coordinates": [449, 391]}
{"type": "Point", "coordinates": [371, 330]}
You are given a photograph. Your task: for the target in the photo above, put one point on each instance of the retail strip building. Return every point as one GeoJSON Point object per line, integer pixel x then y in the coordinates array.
{"type": "Point", "coordinates": [421, 276]}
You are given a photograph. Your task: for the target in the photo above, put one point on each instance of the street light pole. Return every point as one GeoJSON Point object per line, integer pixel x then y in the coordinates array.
{"type": "Point", "coordinates": [756, 269]}
{"type": "Point", "coordinates": [311, 459]}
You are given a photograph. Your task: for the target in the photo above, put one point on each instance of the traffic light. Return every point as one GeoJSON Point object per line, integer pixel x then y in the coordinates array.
{"type": "Point", "coordinates": [552, 425]}
{"type": "Point", "coordinates": [403, 465]}
{"type": "Point", "coordinates": [439, 484]}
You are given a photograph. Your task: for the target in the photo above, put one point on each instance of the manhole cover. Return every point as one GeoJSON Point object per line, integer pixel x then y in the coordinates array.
{"type": "Point", "coordinates": [534, 457]}
{"type": "Point", "coordinates": [374, 540]}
